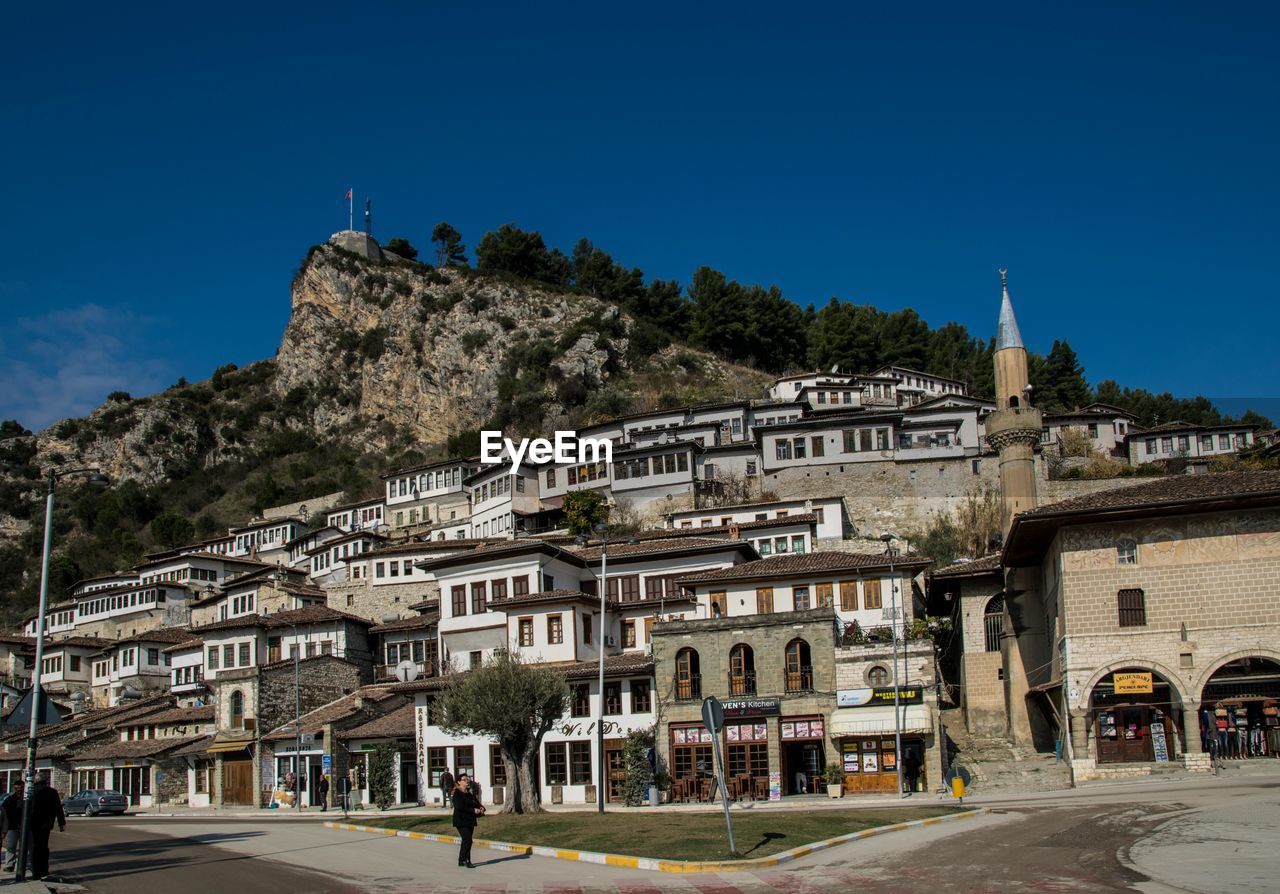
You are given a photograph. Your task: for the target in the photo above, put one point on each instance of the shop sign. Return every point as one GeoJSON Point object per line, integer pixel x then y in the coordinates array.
{"type": "Point", "coordinates": [1158, 742]}
{"type": "Point", "coordinates": [1132, 683]}
{"type": "Point", "coordinates": [802, 729]}
{"type": "Point", "coordinates": [751, 707]}
{"type": "Point", "coordinates": [775, 785]}
{"type": "Point", "coordinates": [859, 698]}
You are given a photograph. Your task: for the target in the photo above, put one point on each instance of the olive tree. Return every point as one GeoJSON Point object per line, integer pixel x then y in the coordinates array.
{"type": "Point", "coordinates": [515, 704]}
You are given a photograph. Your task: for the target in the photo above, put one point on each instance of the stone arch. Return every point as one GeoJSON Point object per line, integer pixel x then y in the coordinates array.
{"type": "Point", "coordinates": [1223, 660]}
{"type": "Point", "coordinates": [1175, 683]}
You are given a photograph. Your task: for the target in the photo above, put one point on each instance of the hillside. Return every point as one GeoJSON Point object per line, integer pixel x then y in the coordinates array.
{"type": "Point", "coordinates": [381, 364]}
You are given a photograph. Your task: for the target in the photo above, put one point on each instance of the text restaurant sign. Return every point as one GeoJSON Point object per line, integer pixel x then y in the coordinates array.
{"type": "Point", "coordinates": [860, 698]}
{"type": "Point", "coordinates": [751, 707]}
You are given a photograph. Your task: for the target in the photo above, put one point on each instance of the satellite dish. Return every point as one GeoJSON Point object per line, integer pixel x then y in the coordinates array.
{"type": "Point", "coordinates": [406, 671]}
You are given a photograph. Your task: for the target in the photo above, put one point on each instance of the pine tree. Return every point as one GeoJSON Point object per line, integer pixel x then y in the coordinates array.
{"type": "Point", "coordinates": [450, 252]}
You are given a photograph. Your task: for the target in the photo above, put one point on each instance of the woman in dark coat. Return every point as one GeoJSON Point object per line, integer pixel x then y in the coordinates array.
{"type": "Point", "coordinates": [465, 810]}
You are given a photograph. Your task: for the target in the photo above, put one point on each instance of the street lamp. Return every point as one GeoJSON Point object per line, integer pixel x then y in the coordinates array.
{"type": "Point", "coordinates": [95, 477]}
{"type": "Point", "coordinates": [603, 530]}
{"type": "Point", "coordinates": [890, 552]}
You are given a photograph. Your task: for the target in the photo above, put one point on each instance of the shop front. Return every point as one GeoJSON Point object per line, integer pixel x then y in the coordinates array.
{"type": "Point", "coordinates": [1240, 710]}
{"type": "Point", "coordinates": [803, 750]}
{"type": "Point", "coordinates": [1134, 718]}
{"type": "Point", "coordinates": [866, 727]}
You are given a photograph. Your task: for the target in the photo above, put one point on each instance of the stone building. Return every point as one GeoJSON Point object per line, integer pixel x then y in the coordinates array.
{"type": "Point", "coordinates": [775, 674]}
{"type": "Point", "coordinates": [1150, 617]}
{"type": "Point", "coordinates": [971, 593]}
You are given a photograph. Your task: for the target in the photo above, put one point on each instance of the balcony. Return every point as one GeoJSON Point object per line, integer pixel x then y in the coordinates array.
{"type": "Point", "coordinates": [388, 671]}
{"type": "Point", "coordinates": [689, 689]}
{"type": "Point", "coordinates": [800, 680]}
{"type": "Point", "coordinates": [742, 684]}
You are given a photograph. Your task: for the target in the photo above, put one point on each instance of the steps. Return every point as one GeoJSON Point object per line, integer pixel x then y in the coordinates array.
{"type": "Point", "coordinates": [997, 765]}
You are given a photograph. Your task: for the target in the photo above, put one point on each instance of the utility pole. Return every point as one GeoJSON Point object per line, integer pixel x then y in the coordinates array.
{"type": "Point", "coordinates": [603, 531]}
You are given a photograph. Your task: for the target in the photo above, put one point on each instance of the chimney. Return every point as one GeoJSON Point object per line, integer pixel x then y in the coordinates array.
{"type": "Point", "coordinates": [735, 532]}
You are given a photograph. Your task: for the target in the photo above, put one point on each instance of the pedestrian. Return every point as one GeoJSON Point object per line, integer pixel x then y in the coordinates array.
{"type": "Point", "coordinates": [911, 769]}
{"type": "Point", "coordinates": [446, 788]}
{"type": "Point", "coordinates": [324, 794]}
{"type": "Point", "coordinates": [11, 824]}
{"type": "Point", "coordinates": [46, 809]}
{"type": "Point", "coordinates": [465, 811]}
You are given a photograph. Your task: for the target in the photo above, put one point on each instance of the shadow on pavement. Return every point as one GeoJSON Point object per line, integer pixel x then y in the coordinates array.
{"type": "Point", "coordinates": [134, 856]}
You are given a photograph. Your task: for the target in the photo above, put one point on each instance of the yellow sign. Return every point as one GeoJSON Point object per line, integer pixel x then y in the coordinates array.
{"type": "Point", "coordinates": [1132, 683]}
{"type": "Point", "coordinates": [957, 787]}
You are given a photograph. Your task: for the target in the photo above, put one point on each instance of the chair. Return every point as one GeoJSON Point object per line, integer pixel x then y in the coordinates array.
{"type": "Point", "coordinates": [732, 789]}
{"type": "Point", "coordinates": [761, 788]}
{"type": "Point", "coordinates": [746, 786]}
{"type": "Point", "coordinates": [705, 793]}
{"type": "Point", "coordinates": [680, 790]}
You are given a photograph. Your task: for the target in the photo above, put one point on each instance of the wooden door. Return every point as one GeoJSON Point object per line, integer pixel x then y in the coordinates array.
{"type": "Point", "coordinates": [615, 767]}
{"type": "Point", "coordinates": [237, 782]}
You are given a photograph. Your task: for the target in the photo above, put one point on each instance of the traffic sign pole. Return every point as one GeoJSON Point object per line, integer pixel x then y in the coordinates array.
{"type": "Point", "coordinates": [713, 720]}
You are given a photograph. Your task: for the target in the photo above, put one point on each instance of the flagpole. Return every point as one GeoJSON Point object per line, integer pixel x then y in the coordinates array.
{"type": "Point", "coordinates": [351, 210]}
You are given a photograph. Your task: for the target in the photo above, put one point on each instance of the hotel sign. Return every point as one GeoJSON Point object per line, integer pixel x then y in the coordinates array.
{"type": "Point", "coordinates": [1132, 683]}
{"type": "Point", "coordinates": [859, 698]}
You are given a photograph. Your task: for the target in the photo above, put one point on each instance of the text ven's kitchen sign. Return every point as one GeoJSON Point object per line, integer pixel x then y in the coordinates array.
{"type": "Point", "coordinates": [858, 698]}
{"type": "Point", "coordinates": [751, 707]}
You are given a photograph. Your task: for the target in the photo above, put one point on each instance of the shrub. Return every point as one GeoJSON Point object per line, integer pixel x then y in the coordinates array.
{"type": "Point", "coordinates": [474, 340]}
{"type": "Point", "coordinates": [121, 396]}
{"type": "Point", "coordinates": [373, 344]}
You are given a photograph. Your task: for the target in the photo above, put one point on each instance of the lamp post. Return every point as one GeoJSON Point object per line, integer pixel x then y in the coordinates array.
{"type": "Point", "coordinates": [890, 552]}
{"type": "Point", "coordinates": [603, 530]}
{"type": "Point", "coordinates": [37, 690]}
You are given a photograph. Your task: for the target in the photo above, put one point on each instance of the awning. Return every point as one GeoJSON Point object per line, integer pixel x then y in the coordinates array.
{"type": "Point", "coordinates": [878, 720]}
{"type": "Point", "coordinates": [230, 745]}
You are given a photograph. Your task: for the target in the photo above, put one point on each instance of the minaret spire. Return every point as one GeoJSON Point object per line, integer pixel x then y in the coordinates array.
{"type": "Point", "coordinates": [1007, 333]}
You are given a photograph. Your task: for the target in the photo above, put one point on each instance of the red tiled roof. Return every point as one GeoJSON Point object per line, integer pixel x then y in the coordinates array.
{"type": "Point", "coordinates": [986, 565]}
{"type": "Point", "coordinates": [543, 596]}
{"type": "Point", "coordinates": [399, 724]}
{"type": "Point", "coordinates": [669, 544]}
{"type": "Point", "coordinates": [340, 709]}
{"type": "Point", "coordinates": [311, 614]}
{"type": "Point", "coordinates": [421, 622]}
{"type": "Point", "coordinates": [799, 564]}
{"type": "Point", "coordinates": [138, 748]}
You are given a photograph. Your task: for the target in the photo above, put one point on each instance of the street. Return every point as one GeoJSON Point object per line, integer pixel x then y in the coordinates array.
{"type": "Point", "coordinates": [1206, 835]}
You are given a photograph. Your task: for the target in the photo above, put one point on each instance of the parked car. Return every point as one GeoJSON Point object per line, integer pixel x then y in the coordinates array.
{"type": "Point", "coordinates": [94, 801]}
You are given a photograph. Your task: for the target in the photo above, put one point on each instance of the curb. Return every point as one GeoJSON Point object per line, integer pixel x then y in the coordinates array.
{"type": "Point", "coordinates": [656, 864]}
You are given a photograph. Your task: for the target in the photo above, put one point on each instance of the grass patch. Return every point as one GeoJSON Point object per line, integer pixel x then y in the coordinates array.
{"type": "Point", "coordinates": [671, 836]}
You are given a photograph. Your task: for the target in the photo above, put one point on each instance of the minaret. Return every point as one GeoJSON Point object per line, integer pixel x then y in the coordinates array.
{"type": "Point", "coordinates": [1014, 428]}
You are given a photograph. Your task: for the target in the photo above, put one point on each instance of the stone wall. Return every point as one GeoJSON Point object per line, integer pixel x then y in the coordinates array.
{"type": "Point", "coordinates": [172, 789]}
{"type": "Point", "coordinates": [375, 603]}
{"type": "Point", "coordinates": [325, 678]}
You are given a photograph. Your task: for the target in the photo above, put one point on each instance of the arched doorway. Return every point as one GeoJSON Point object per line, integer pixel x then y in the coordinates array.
{"type": "Point", "coordinates": [1240, 709]}
{"type": "Point", "coordinates": [1135, 714]}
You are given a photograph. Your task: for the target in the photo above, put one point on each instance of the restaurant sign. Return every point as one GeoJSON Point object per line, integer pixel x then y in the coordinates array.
{"type": "Point", "coordinates": [751, 707]}
{"type": "Point", "coordinates": [859, 698]}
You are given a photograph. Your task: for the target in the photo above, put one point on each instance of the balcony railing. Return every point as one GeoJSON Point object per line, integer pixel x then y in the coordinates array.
{"type": "Point", "coordinates": [742, 684]}
{"type": "Point", "coordinates": [801, 680]}
{"type": "Point", "coordinates": [689, 688]}
{"type": "Point", "coordinates": [388, 671]}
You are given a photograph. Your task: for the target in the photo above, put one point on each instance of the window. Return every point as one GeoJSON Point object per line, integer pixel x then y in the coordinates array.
{"type": "Point", "coordinates": [878, 676]}
{"type": "Point", "coordinates": [551, 477]}
{"type": "Point", "coordinates": [993, 623]}
{"type": "Point", "coordinates": [237, 709]}
{"type": "Point", "coordinates": [212, 660]}
{"type": "Point", "coordinates": [799, 666]}
{"type": "Point", "coordinates": [520, 585]}
{"type": "Point", "coordinates": [497, 590]}
{"type": "Point", "coordinates": [475, 659]}
{"type": "Point", "coordinates": [555, 629]}
{"type": "Point", "coordinates": [817, 445]}
{"type": "Point", "coordinates": [75, 659]}
{"type": "Point", "coordinates": [1183, 444]}
{"type": "Point", "coordinates": [478, 593]}
{"type": "Point", "coordinates": [557, 763]}
{"type": "Point", "coordinates": [742, 670]}
{"type": "Point", "coordinates": [764, 600]}
{"type": "Point", "coordinates": [580, 700]}
{"type": "Point", "coordinates": [243, 660]}
{"type": "Point", "coordinates": [458, 595]}
{"type": "Point", "coordinates": [586, 628]}
{"type": "Point", "coordinates": [228, 655]}
{"type": "Point", "coordinates": [849, 595]}
{"type": "Point", "coordinates": [613, 698]}
{"type": "Point", "coordinates": [497, 769]}
{"type": "Point", "coordinates": [628, 634]}
{"type": "Point", "coordinates": [526, 632]}
{"type": "Point", "coordinates": [799, 448]}
{"type": "Point", "coordinates": [1224, 442]}
{"type": "Point", "coordinates": [719, 604]}
{"type": "Point", "coordinates": [641, 702]}
{"type": "Point", "coordinates": [579, 763]}
{"type": "Point", "coordinates": [871, 594]}
{"type": "Point", "coordinates": [801, 598]}
{"type": "Point", "coordinates": [1133, 608]}
{"type": "Point", "coordinates": [688, 682]}
{"type": "Point", "coordinates": [782, 448]}
{"type": "Point", "coordinates": [379, 569]}
{"type": "Point", "coordinates": [797, 543]}
{"type": "Point", "coordinates": [1166, 444]}
{"type": "Point", "coordinates": [1126, 552]}
{"type": "Point", "coordinates": [1152, 448]}
{"type": "Point", "coordinates": [823, 593]}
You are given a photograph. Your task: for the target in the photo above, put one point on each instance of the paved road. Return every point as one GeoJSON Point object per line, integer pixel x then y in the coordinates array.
{"type": "Point", "coordinates": [1209, 836]}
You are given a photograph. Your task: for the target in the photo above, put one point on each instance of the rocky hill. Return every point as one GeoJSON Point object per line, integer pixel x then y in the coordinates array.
{"type": "Point", "coordinates": [382, 363]}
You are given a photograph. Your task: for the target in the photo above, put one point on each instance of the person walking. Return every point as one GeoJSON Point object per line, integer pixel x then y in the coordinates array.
{"type": "Point", "coordinates": [911, 769]}
{"type": "Point", "coordinates": [46, 809]}
{"type": "Point", "coordinates": [11, 824]}
{"type": "Point", "coordinates": [324, 794]}
{"type": "Point", "coordinates": [446, 788]}
{"type": "Point", "coordinates": [465, 811]}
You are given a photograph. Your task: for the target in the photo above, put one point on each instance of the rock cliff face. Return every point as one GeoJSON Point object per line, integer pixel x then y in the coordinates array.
{"type": "Point", "coordinates": [418, 349]}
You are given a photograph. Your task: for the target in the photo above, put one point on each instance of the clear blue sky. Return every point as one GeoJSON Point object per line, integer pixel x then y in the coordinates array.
{"type": "Point", "coordinates": [167, 167]}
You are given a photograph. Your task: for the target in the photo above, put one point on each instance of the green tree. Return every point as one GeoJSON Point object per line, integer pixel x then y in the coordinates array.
{"type": "Point", "coordinates": [401, 247]}
{"type": "Point", "coordinates": [845, 335]}
{"type": "Point", "coordinates": [510, 249]}
{"type": "Point", "coordinates": [635, 755]}
{"type": "Point", "coordinates": [171, 530]}
{"type": "Point", "coordinates": [382, 782]}
{"type": "Point", "coordinates": [12, 428]}
{"type": "Point", "coordinates": [516, 705]}
{"type": "Point", "coordinates": [450, 252]}
{"type": "Point", "coordinates": [584, 509]}
{"type": "Point", "coordinates": [1064, 379]}
{"type": "Point", "coordinates": [64, 573]}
